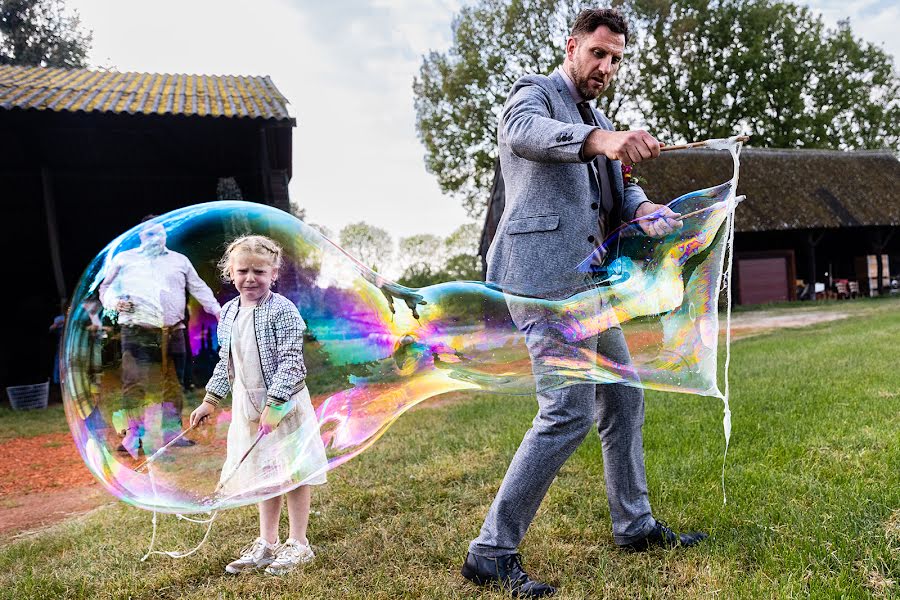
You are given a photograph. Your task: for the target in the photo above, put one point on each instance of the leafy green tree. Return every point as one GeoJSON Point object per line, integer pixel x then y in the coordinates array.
{"type": "Point", "coordinates": [40, 33]}
{"type": "Point", "coordinates": [463, 240]}
{"type": "Point", "coordinates": [463, 262]}
{"type": "Point", "coordinates": [768, 68]}
{"type": "Point", "coordinates": [427, 259]}
{"type": "Point", "coordinates": [420, 257]}
{"type": "Point", "coordinates": [323, 229]}
{"type": "Point", "coordinates": [693, 70]}
{"type": "Point", "coordinates": [421, 276]}
{"type": "Point", "coordinates": [298, 211]}
{"type": "Point", "coordinates": [372, 245]}
{"type": "Point", "coordinates": [463, 267]}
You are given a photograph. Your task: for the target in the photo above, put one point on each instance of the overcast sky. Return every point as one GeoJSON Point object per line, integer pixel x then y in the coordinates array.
{"type": "Point", "coordinates": [346, 66]}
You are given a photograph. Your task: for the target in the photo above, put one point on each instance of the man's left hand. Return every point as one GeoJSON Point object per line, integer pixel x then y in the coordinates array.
{"type": "Point", "coordinates": [657, 220]}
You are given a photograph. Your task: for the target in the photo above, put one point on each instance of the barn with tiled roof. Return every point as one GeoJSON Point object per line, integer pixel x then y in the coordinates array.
{"type": "Point", "coordinates": [86, 154]}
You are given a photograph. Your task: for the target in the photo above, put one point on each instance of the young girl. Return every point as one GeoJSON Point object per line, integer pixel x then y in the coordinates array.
{"type": "Point", "coordinates": [261, 363]}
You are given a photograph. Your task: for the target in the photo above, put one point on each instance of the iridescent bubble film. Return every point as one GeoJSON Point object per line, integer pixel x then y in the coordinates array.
{"type": "Point", "coordinates": [373, 349]}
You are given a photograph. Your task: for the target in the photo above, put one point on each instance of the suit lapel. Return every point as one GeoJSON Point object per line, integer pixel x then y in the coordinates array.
{"type": "Point", "coordinates": [574, 117]}
{"type": "Point", "coordinates": [563, 89]}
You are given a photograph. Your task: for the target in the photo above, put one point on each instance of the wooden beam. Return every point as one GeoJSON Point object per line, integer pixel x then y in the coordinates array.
{"type": "Point", "coordinates": [264, 167]}
{"type": "Point", "coordinates": [813, 241]}
{"type": "Point", "coordinates": [53, 233]}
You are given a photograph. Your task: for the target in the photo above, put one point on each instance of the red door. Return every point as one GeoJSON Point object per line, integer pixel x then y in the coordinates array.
{"type": "Point", "coordinates": [763, 280]}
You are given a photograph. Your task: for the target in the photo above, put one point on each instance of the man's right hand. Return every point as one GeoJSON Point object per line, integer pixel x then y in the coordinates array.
{"type": "Point", "coordinates": [124, 306]}
{"type": "Point", "coordinates": [630, 147]}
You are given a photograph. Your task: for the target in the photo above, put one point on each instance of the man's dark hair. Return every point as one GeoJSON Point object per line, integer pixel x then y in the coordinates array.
{"type": "Point", "coordinates": [148, 218]}
{"type": "Point", "coordinates": [592, 18]}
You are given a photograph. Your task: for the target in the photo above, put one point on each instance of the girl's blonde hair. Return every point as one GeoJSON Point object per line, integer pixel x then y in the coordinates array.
{"type": "Point", "coordinates": [255, 244]}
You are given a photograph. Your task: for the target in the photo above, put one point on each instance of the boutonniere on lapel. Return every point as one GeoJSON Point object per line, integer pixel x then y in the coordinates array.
{"type": "Point", "coordinates": [628, 177]}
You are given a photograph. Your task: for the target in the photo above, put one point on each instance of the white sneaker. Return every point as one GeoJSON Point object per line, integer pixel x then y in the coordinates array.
{"type": "Point", "coordinates": [257, 555]}
{"type": "Point", "coordinates": [290, 554]}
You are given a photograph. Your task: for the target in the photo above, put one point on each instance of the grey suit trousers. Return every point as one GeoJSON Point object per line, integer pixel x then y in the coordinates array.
{"type": "Point", "coordinates": [565, 416]}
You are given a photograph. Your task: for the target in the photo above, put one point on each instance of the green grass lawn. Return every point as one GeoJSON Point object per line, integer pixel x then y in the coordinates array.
{"type": "Point", "coordinates": [813, 507]}
{"type": "Point", "coordinates": [29, 423]}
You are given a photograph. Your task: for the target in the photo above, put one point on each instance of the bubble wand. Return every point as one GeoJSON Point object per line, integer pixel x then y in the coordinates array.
{"type": "Point", "coordinates": [156, 454]}
{"type": "Point", "coordinates": [222, 483]}
{"type": "Point", "coordinates": [739, 138]}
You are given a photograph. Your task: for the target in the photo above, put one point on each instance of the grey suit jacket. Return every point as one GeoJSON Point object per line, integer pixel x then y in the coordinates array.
{"type": "Point", "coordinates": [549, 224]}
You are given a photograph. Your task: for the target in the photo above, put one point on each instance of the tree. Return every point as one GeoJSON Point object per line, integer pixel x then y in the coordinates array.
{"type": "Point", "coordinates": [420, 258]}
{"type": "Point", "coordinates": [767, 68]}
{"type": "Point", "coordinates": [464, 240]}
{"type": "Point", "coordinates": [427, 259]}
{"type": "Point", "coordinates": [463, 262]}
{"type": "Point", "coordinates": [297, 210]}
{"type": "Point", "coordinates": [372, 245]}
{"type": "Point", "coordinates": [40, 33]}
{"type": "Point", "coordinates": [421, 276]}
{"type": "Point", "coordinates": [693, 69]}
{"type": "Point", "coordinates": [459, 94]}
{"type": "Point", "coordinates": [323, 229]}
{"type": "Point", "coordinates": [463, 267]}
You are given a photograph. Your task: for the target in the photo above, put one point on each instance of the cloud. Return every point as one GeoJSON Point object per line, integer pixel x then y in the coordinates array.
{"type": "Point", "coordinates": [876, 21]}
{"type": "Point", "coordinates": [358, 154]}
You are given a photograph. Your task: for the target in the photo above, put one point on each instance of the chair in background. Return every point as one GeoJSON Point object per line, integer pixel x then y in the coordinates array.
{"type": "Point", "coordinates": [842, 289]}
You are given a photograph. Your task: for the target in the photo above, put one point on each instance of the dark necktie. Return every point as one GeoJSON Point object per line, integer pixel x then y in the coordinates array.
{"type": "Point", "coordinates": [600, 163]}
{"type": "Point", "coordinates": [587, 115]}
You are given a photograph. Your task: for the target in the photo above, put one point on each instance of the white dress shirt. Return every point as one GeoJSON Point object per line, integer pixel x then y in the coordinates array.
{"type": "Point", "coordinates": [155, 282]}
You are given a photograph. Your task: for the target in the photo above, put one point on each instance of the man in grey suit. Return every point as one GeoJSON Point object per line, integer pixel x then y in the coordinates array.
{"type": "Point", "coordinates": [562, 166]}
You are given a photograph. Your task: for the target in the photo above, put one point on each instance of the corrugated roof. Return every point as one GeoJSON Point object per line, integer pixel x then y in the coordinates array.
{"type": "Point", "coordinates": [788, 189]}
{"type": "Point", "coordinates": [74, 90]}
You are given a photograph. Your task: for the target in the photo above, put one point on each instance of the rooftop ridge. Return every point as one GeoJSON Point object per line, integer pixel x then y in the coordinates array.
{"type": "Point", "coordinates": [133, 92]}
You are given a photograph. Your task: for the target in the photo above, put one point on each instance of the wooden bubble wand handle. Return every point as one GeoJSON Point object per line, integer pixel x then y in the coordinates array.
{"type": "Point", "coordinates": [222, 483]}
{"type": "Point", "coordinates": [740, 138]}
{"type": "Point", "coordinates": [156, 454]}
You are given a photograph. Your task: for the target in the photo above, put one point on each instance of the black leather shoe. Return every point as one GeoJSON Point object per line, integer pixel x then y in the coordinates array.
{"type": "Point", "coordinates": [663, 537]}
{"type": "Point", "coordinates": [506, 572]}
{"type": "Point", "coordinates": [136, 451]}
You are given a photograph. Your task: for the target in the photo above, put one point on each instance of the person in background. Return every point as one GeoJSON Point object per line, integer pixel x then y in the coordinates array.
{"type": "Point", "coordinates": [147, 287]}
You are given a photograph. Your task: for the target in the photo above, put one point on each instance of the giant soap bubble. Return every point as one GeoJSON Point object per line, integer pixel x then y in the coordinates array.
{"type": "Point", "coordinates": [373, 349]}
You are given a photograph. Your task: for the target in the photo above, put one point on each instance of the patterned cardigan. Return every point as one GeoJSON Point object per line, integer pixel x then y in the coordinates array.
{"type": "Point", "coordinates": [279, 336]}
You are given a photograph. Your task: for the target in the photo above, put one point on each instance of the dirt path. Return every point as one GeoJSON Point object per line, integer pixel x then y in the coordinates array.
{"type": "Point", "coordinates": [22, 514]}
{"type": "Point", "coordinates": [745, 325]}
{"type": "Point", "coordinates": [43, 481]}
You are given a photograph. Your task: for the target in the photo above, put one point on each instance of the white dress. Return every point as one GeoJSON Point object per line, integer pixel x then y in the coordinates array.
{"type": "Point", "coordinates": [292, 454]}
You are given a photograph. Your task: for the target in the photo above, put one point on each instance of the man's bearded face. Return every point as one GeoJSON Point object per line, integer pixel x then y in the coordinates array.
{"type": "Point", "coordinates": [153, 238]}
{"type": "Point", "coordinates": [594, 59]}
